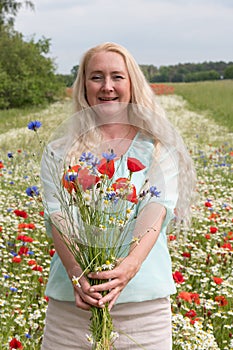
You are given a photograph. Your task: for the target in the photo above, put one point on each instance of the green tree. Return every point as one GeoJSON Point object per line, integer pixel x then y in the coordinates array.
{"type": "Point", "coordinates": [27, 76]}
{"type": "Point", "coordinates": [228, 72]}
{"type": "Point", "coordinates": [10, 8]}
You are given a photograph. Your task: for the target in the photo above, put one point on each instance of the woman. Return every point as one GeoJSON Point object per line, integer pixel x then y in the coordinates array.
{"type": "Point", "coordinates": [127, 119]}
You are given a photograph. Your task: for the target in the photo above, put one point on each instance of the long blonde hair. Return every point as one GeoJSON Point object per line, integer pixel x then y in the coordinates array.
{"type": "Point", "coordinates": [155, 122]}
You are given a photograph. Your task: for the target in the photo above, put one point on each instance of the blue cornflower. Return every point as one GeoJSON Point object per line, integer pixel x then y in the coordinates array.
{"type": "Point", "coordinates": [87, 157]}
{"type": "Point", "coordinates": [71, 176]}
{"type": "Point", "coordinates": [28, 336]}
{"type": "Point", "coordinates": [154, 192]}
{"type": "Point", "coordinates": [34, 125]}
{"type": "Point", "coordinates": [13, 289]}
{"type": "Point", "coordinates": [109, 156]}
{"type": "Point", "coordinates": [10, 155]}
{"type": "Point", "coordinates": [6, 276]}
{"type": "Point", "coordinates": [32, 191]}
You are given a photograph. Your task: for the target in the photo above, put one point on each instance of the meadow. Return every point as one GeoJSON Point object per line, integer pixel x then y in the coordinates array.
{"type": "Point", "coordinates": [213, 97]}
{"type": "Point", "coordinates": [201, 256]}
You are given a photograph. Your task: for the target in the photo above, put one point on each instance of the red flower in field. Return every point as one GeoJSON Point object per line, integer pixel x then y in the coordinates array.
{"type": "Point", "coordinates": [172, 238]}
{"type": "Point", "coordinates": [0, 228]}
{"type": "Point", "coordinates": [86, 180]}
{"type": "Point", "coordinates": [106, 167]}
{"type": "Point", "coordinates": [41, 213]}
{"type": "Point", "coordinates": [178, 277]}
{"type": "Point", "coordinates": [24, 238]}
{"type": "Point", "coordinates": [31, 262]}
{"type": "Point", "coordinates": [130, 190]}
{"type": "Point", "coordinates": [15, 344]}
{"type": "Point", "coordinates": [192, 321]}
{"type": "Point", "coordinates": [217, 280]}
{"type": "Point", "coordinates": [185, 296]}
{"type": "Point", "coordinates": [191, 314]}
{"type": "Point", "coordinates": [37, 268]}
{"type": "Point", "coordinates": [213, 229]}
{"type": "Point", "coordinates": [195, 298]}
{"type": "Point", "coordinates": [186, 255]}
{"type": "Point", "coordinates": [23, 250]}
{"type": "Point", "coordinates": [16, 259]}
{"type": "Point", "coordinates": [21, 213]}
{"type": "Point", "coordinates": [208, 204]}
{"type": "Point", "coordinates": [46, 298]}
{"type": "Point", "coordinates": [207, 236]}
{"type": "Point", "coordinates": [227, 246]}
{"type": "Point", "coordinates": [24, 225]}
{"type": "Point", "coordinates": [221, 300]}
{"type": "Point", "coordinates": [134, 165]}
{"type": "Point", "coordinates": [52, 252]}
{"type": "Point", "coordinates": [1, 165]}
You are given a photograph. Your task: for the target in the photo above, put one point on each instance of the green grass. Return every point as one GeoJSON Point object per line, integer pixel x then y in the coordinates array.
{"type": "Point", "coordinates": [214, 97]}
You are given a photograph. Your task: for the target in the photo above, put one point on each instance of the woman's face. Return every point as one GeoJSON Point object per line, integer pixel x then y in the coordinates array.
{"type": "Point", "coordinates": [107, 79]}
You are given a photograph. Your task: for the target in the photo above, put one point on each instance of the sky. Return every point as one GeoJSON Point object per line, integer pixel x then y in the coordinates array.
{"type": "Point", "coordinates": [158, 32]}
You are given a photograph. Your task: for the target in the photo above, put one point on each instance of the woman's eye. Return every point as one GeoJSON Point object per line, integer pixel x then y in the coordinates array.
{"type": "Point", "coordinates": [118, 77]}
{"type": "Point", "coordinates": [96, 78]}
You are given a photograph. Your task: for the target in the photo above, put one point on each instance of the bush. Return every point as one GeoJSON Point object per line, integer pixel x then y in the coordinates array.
{"type": "Point", "coordinates": [27, 75]}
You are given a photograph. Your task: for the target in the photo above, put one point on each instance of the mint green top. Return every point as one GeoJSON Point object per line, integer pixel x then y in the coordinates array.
{"type": "Point", "coordinates": [154, 279]}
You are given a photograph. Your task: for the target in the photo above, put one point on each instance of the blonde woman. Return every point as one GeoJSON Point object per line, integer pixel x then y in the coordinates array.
{"type": "Point", "coordinates": [116, 109]}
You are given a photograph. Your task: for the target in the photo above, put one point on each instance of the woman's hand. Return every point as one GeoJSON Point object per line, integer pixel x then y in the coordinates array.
{"type": "Point", "coordinates": [84, 298]}
{"type": "Point", "coordinates": [117, 279]}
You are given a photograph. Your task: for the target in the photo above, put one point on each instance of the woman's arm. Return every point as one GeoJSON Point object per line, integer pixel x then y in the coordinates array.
{"type": "Point", "coordinates": [149, 223]}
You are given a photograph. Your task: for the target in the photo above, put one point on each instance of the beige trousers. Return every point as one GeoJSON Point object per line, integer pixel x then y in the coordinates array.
{"type": "Point", "coordinates": [148, 323]}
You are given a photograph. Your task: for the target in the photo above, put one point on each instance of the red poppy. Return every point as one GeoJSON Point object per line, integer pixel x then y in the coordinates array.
{"type": "Point", "coordinates": [41, 213]}
{"type": "Point", "coordinates": [172, 238]}
{"type": "Point", "coordinates": [106, 167]}
{"type": "Point", "coordinates": [21, 213]}
{"type": "Point", "coordinates": [0, 228]}
{"type": "Point", "coordinates": [37, 268]}
{"type": "Point", "coordinates": [185, 296]}
{"type": "Point", "coordinates": [178, 277]}
{"type": "Point", "coordinates": [23, 250]}
{"type": "Point", "coordinates": [24, 238]}
{"type": "Point", "coordinates": [217, 280]}
{"type": "Point", "coordinates": [208, 204]}
{"type": "Point", "coordinates": [52, 252]}
{"type": "Point", "coordinates": [189, 297]}
{"type": "Point", "coordinates": [222, 301]}
{"type": "Point", "coordinates": [186, 255]}
{"type": "Point", "coordinates": [134, 165]}
{"type": "Point", "coordinates": [213, 229]}
{"type": "Point", "coordinates": [227, 246]}
{"type": "Point", "coordinates": [87, 180]}
{"type": "Point", "coordinates": [191, 314]}
{"type": "Point", "coordinates": [1, 165]}
{"type": "Point", "coordinates": [122, 183]}
{"type": "Point", "coordinates": [15, 344]}
{"type": "Point", "coordinates": [16, 259]}
{"type": "Point", "coordinates": [192, 321]}
{"type": "Point", "coordinates": [31, 262]}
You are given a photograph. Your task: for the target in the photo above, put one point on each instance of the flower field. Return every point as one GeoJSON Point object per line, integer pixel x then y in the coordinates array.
{"type": "Point", "coordinates": [202, 257]}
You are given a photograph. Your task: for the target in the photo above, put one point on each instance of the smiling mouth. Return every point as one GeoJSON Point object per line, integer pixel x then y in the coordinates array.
{"type": "Point", "coordinates": [108, 98]}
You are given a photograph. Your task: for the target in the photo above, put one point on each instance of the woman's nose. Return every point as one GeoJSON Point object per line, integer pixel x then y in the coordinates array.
{"type": "Point", "coordinates": [108, 84]}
